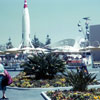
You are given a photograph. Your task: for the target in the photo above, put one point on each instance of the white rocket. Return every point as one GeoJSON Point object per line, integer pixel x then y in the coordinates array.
{"type": "Point", "coordinates": [26, 42]}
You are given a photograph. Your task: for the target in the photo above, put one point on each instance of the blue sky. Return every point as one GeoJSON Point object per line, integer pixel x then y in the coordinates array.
{"type": "Point", "coordinates": [58, 18]}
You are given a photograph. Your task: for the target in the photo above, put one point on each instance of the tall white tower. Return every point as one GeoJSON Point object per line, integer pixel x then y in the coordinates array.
{"type": "Point", "coordinates": [26, 42]}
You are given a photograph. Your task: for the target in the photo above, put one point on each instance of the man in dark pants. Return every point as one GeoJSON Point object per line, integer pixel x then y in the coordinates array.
{"type": "Point", "coordinates": [84, 64]}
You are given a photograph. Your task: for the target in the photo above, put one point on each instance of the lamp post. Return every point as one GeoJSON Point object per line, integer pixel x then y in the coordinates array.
{"type": "Point", "coordinates": [86, 33]}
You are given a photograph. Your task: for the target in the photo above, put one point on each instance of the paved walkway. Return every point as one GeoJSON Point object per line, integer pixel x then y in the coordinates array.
{"type": "Point", "coordinates": [27, 94]}
{"type": "Point", "coordinates": [23, 94]}
{"type": "Point", "coordinates": [14, 94]}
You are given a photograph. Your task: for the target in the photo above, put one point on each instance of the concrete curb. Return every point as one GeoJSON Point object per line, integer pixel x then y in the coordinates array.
{"type": "Point", "coordinates": [50, 88]}
{"type": "Point", "coordinates": [53, 88]}
{"type": "Point", "coordinates": [45, 96]}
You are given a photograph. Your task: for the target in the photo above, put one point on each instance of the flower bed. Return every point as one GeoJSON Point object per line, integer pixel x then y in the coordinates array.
{"type": "Point", "coordinates": [92, 94]}
{"type": "Point", "coordinates": [24, 81]}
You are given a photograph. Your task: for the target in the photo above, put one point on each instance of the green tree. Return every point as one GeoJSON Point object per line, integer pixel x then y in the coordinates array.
{"type": "Point", "coordinates": [48, 40]}
{"type": "Point", "coordinates": [36, 43]}
{"type": "Point", "coordinates": [9, 44]}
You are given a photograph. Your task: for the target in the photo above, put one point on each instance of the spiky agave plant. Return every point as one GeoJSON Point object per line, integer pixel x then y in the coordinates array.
{"type": "Point", "coordinates": [44, 65]}
{"type": "Point", "coordinates": [79, 81]}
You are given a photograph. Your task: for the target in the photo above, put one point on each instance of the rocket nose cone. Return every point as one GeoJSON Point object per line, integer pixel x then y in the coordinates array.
{"type": "Point", "coordinates": [25, 1]}
{"type": "Point", "coordinates": [25, 4]}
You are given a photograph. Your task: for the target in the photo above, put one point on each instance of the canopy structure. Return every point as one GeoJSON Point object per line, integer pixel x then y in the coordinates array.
{"type": "Point", "coordinates": [66, 49]}
{"type": "Point", "coordinates": [12, 50]}
{"type": "Point", "coordinates": [91, 48]}
{"type": "Point", "coordinates": [23, 50]}
{"type": "Point", "coordinates": [1, 52]}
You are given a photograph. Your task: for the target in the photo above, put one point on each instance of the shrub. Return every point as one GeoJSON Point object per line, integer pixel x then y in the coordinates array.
{"type": "Point", "coordinates": [79, 80]}
{"type": "Point", "coordinates": [44, 66]}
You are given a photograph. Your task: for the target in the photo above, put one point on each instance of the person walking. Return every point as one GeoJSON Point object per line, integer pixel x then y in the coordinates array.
{"type": "Point", "coordinates": [84, 64]}
{"type": "Point", "coordinates": [2, 76]}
